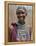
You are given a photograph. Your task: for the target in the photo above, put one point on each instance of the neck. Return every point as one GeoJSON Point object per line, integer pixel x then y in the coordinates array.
{"type": "Point", "coordinates": [22, 23]}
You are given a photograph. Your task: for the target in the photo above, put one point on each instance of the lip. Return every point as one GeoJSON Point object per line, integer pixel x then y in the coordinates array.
{"type": "Point", "coordinates": [21, 16]}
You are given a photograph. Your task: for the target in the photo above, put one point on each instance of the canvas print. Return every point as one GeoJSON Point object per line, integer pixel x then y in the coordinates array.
{"type": "Point", "coordinates": [19, 22]}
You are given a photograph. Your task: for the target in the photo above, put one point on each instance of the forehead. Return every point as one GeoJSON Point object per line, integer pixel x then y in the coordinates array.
{"type": "Point", "coordinates": [20, 10]}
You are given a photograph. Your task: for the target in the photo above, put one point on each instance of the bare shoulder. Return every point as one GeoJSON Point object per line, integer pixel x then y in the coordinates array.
{"type": "Point", "coordinates": [11, 27]}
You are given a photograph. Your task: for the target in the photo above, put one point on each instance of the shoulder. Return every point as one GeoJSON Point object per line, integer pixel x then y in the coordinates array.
{"type": "Point", "coordinates": [28, 27]}
{"type": "Point", "coordinates": [13, 25]}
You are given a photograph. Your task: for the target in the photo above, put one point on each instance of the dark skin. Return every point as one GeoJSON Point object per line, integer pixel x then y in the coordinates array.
{"type": "Point", "coordinates": [21, 14]}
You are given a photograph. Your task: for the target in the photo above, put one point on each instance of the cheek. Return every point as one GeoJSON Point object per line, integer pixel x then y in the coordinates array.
{"type": "Point", "coordinates": [24, 14]}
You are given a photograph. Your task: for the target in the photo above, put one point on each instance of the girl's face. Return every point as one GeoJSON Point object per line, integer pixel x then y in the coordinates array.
{"type": "Point", "coordinates": [21, 15]}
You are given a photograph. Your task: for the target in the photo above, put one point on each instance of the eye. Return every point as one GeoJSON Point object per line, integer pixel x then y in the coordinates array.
{"type": "Point", "coordinates": [18, 13]}
{"type": "Point", "coordinates": [23, 12]}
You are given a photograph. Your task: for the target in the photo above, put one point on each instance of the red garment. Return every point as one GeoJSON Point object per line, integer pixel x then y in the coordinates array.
{"type": "Point", "coordinates": [13, 33]}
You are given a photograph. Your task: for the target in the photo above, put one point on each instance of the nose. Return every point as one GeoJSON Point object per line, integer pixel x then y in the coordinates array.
{"type": "Point", "coordinates": [21, 14]}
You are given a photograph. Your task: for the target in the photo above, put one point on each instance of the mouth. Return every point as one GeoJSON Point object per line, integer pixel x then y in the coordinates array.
{"type": "Point", "coordinates": [21, 17]}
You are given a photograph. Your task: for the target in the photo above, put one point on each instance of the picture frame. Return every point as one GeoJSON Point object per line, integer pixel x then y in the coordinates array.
{"type": "Point", "coordinates": [6, 19]}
